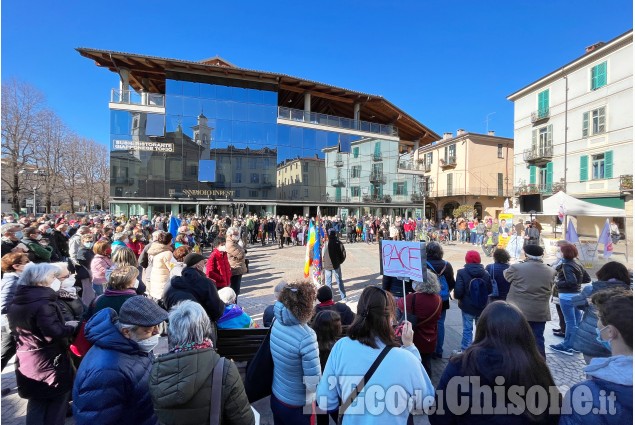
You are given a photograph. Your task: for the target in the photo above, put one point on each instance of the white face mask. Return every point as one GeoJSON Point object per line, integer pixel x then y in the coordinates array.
{"type": "Point", "coordinates": [56, 284]}
{"type": "Point", "coordinates": [136, 284]}
{"type": "Point", "coordinates": [69, 285]}
{"type": "Point", "coordinates": [148, 344]}
{"type": "Point", "coordinates": [559, 255]}
{"type": "Point", "coordinates": [38, 237]}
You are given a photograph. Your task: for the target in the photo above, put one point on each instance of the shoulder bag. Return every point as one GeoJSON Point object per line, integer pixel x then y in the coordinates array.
{"type": "Point", "coordinates": [358, 389]}
{"type": "Point", "coordinates": [259, 375]}
{"type": "Point", "coordinates": [215, 410]}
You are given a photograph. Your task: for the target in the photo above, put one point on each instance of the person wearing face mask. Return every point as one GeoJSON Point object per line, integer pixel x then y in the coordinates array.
{"type": "Point", "coordinates": [44, 372]}
{"type": "Point", "coordinates": [11, 235]}
{"type": "Point", "coordinates": [68, 301]}
{"type": "Point", "coordinates": [12, 265]}
{"type": "Point", "coordinates": [37, 252]}
{"type": "Point", "coordinates": [194, 285]}
{"type": "Point", "coordinates": [84, 277]}
{"type": "Point", "coordinates": [611, 276]}
{"type": "Point", "coordinates": [75, 243]}
{"type": "Point", "coordinates": [236, 257]}
{"type": "Point", "coordinates": [607, 394]}
{"type": "Point", "coordinates": [119, 241]}
{"type": "Point", "coordinates": [112, 380]}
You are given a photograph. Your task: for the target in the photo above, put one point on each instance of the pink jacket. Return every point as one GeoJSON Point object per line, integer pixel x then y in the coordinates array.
{"type": "Point", "coordinates": [98, 267]}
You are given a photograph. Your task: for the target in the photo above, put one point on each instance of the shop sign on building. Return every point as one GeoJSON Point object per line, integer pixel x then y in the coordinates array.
{"type": "Point", "coordinates": [137, 145]}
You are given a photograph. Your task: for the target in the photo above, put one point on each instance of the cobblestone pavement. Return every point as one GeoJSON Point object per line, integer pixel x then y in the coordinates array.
{"type": "Point", "coordinates": [269, 265]}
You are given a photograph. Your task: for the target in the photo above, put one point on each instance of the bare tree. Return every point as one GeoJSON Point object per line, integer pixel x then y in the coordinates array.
{"type": "Point", "coordinates": [22, 106]}
{"type": "Point", "coordinates": [51, 151]}
{"type": "Point", "coordinates": [71, 167]}
{"type": "Point", "coordinates": [102, 174]}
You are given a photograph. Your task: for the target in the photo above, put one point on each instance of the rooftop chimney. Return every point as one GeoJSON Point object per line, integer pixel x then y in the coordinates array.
{"type": "Point", "coordinates": [447, 136]}
{"type": "Point", "coordinates": [460, 132]}
{"type": "Point", "coordinates": [595, 46]}
{"type": "Point", "coordinates": [491, 133]}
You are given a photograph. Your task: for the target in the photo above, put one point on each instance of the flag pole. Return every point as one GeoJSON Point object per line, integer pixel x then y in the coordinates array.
{"type": "Point", "coordinates": [405, 312]}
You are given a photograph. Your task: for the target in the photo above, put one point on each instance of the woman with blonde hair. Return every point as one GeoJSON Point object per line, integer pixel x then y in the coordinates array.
{"type": "Point", "coordinates": [126, 257]}
{"type": "Point", "coordinates": [160, 255]}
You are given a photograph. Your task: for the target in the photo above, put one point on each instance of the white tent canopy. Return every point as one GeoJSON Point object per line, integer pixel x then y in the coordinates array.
{"type": "Point", "coordinates": [573, 206]}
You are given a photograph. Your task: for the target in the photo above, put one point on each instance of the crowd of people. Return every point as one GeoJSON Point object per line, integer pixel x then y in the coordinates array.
{"type": "Point", "coordinates": [84, 301]}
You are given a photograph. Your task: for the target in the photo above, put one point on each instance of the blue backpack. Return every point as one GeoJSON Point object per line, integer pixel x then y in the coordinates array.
{"type": "Point", "coordinates": [478, 291]}
{"type": "Point", "coordinates": [445, 289]}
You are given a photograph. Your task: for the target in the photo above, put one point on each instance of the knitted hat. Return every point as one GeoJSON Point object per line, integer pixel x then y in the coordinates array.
{"type": "Point", "coordinates": [141, 311]}
{"type": "Point", "coordinates": [324, 294]}
{"type": "Point", "coordinates": [472, 257]}
{"type": "Point", "coordinates": [534, 250]}
{"type": "Point", "coordinates": [193, 259]}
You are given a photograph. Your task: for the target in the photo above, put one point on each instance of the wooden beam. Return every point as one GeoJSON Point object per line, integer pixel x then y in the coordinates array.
{"type": "Point", "coordinates": [315, 93]}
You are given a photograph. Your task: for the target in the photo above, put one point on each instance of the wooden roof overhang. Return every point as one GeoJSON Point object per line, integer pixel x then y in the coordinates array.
{"type": "Point", "coordinates": [149, 73]}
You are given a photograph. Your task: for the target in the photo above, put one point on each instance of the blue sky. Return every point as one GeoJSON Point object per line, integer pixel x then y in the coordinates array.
{"type": "Point", "coordinates": [447, 63]}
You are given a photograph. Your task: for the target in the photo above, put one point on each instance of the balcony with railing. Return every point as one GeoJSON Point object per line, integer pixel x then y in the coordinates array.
{"type": "Point", "coordinates": [449, 162]}
{"type": "Point", "coordinates": [377, 177]}
{"type": "Point", "coordinates": [298, 115]}
{"type": "Point", "coordinates": [537, 155]}
{"type": "Point", "coordinates": [377, 156]}
{"type": "Point", "coordinates": [339, 162]}
{"type": "Point", "coordinates": [626, 183]}
{"type": "Point", "coordinates": [492, 192]}
{"type": "Point", "coordinates": [410, 167]}
{"type": "Point", "coordinates": [535, 189]}
{"type": "Point", "coordinates": [130, 100]}
{"type": "Point", "coordinates": [338, 182]}
{"type": "Point", "coordinates": [540, 115]}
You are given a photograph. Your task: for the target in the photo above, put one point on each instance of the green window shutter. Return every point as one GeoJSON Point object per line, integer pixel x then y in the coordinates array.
{"type": "Point", "coordinates": [532, 174]}
{"type": "Point", "coordinates": [372, 190]}
{"type": "Point", "coordinates": [377, 149]}
{"type": "Point", "coordinates": [601, 73]}
{"type": "Point", "coordinates": [380, 190]}
{"type": "Point", "coordinates": [584, 168]}
{"type": "Point", "coordinates": [608, 164]}
{"type": "Point", "coordinates": [394, 188]}
{"type": "Point", "coordinates": [355, 152]}
{"type": "Point", "coordinates": [405, 188]}
{"type": "Point", "coordinates": [543, 103]}
{"type": "Point", "coordinates": [549, 174]}
{"type": "Point", "coordinates": [585, 124]}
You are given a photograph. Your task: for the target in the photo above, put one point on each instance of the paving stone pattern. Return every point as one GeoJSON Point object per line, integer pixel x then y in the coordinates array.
{"type": "Point", "coordinates": [269, 265]}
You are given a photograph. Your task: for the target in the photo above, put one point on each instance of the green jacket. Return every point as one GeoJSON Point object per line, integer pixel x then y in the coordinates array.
{"type": "Point", "coordinates": [181, 389]}
{"type": "Point", "coordinates": [42, 254]}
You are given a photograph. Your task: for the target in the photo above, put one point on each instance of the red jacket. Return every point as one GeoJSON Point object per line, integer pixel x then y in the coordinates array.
{"type": "Point", "coordinates": [218, 269]}
{"type": "Point", "coordinates": [427, 308]}
{"type": "Point", "coordinates": [136, 247]}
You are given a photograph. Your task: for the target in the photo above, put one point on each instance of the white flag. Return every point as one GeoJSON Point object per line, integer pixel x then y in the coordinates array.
{"type": "Point", "coordinates": [506, 205]}
{"type": "Point", "coordinates": [605, 238]}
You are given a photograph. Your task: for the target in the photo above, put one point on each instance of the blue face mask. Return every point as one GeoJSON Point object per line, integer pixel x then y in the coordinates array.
{"type": "Point", "coordinates": [605, 344]}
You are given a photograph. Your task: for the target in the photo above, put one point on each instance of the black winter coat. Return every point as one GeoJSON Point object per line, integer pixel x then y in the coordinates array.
{"type": "Point", "coordinates": [570, 275]}
{"type": "Point", "coordinates": [448, 273]}
{"type": "Point", "coordinates": [43, 365]}
{"type": "Point", "coordinates": [462, 290]}
{"type": "Point", "coordinates": [195, 286]}
{"type": "Point", "coordinates": [346, 314]}
{"type": "Point", "coordinates": [395, 286]}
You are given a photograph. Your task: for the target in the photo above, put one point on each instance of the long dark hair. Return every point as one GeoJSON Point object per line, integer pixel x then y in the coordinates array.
{"type": "Point", "coordinates": [327, 325]}
{"type": "Point", "coordinates": [375, 311]}
{"type": "Point", "coordinates": [502, 328]}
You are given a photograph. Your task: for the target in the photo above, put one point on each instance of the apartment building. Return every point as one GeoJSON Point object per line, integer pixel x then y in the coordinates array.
{"type": "Point", "coordinates": [466, 168]}
{"type": "Point", "coordinates": [573, 131]}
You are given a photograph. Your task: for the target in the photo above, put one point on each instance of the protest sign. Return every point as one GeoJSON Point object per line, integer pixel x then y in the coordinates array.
{"type": "Point", "coordinates": [406, 260]}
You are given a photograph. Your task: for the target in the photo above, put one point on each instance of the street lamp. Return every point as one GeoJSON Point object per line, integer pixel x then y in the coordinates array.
{"type": "Point", "coordinates": [35, 172]}
{"type": "Point", "coordinates": [425, 186]}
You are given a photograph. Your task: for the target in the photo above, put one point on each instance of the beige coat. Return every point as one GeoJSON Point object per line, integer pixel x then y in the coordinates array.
{"type": "Point", "coordinates": [530, 289]}
{"type": "Point", "coordinates": [162, 262]}
{"type": "Point", "coordinates": [236, 257]}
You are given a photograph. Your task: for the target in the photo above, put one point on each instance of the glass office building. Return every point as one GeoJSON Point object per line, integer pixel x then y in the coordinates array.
{"type": "Point", "coordinates": [217, 138]}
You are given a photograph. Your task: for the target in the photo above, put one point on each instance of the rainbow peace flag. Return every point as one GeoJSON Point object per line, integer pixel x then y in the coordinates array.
{"type": "Point", "coordinates": [310, 245]}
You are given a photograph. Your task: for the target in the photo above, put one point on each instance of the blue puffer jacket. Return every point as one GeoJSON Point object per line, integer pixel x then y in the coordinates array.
{"type": "Point", "coordinates": [111, 386]}
{"type": "Point", "coordinates": [296, 358]}
{"type": "Point", "coordinates": [585, 337]}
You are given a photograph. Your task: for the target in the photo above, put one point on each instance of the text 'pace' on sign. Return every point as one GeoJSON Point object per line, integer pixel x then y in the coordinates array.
{"type": "Point", "coordinates": [403, 259]}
